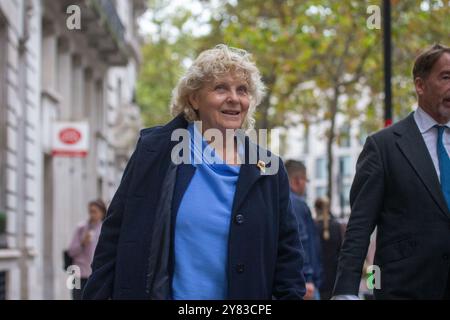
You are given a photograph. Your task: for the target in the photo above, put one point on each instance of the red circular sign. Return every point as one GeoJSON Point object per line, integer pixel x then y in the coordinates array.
{"type": "Point", "coordinates": [70, 136]}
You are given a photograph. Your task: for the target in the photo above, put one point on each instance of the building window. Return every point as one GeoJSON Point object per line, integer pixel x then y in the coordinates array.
{"type": "Point", "coordinates": [101, 118]}
{"type": "Point", "coordinates": [321, 168]}
{"type": "Point", "coordinates": [344, 136]}
{"type": "Point", "coordinates": [321, 192]}
{"type": "Point", "coordinates": [362, 136]}
{"type": "Point", "coordinates": [2, 285]}
{"type": "Point", "coordinates": [3, 118]}
{"type": "Point", "coordinates": [99, 187]}
{"type": "Point", "coordinates": [345, 166]}
{"type": "Point", "coordinates": [344, 196]}
{"type": "Point", "coordinates": [306, 140]}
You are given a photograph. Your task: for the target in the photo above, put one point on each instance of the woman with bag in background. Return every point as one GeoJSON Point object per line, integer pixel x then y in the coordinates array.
{"type": "Point", "coordinates": [84, 242]}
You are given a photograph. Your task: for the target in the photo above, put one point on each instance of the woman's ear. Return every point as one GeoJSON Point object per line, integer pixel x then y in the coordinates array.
{"type": "Point", "coordinates": [193, 100]}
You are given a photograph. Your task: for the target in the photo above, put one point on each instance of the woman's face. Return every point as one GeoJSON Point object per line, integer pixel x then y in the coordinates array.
{"type": "Point", "coordinates": [223, 103]}
{"type": "Point", "coordinates": [95, 214]}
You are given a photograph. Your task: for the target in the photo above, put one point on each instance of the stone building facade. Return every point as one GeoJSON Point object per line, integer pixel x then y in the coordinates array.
{"type": "Point", "coordinates": [52, 71]}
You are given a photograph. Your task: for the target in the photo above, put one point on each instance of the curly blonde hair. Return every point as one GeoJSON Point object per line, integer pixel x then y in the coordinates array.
{"type": "Point", "coordinates": [210, 65]}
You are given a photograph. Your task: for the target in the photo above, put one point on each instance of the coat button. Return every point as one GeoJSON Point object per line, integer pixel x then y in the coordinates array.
{"type": "Point", "coordinates": [445, 256]}
{"type": "Point", "coordinates": [239, 219]}
{"type": "Point", "coordinates": [240, 268]}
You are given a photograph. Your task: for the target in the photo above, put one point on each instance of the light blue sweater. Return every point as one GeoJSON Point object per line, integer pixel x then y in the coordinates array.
{"type": "Point", "coordinates": [201, 229]}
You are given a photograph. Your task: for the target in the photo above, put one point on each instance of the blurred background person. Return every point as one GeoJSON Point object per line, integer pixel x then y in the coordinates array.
{"type": "Point", "coordinates": [331, 237]}
{"type": "Point", "coordinates": [307, 229]}
{"type": "Point", "coordinates": [84, 242]}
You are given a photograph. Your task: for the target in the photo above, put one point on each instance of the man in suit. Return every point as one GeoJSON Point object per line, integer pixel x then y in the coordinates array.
{"type": "Point", "coordinates": [402, 187]}
{"type": "Point", "coordinates": [309, 236]}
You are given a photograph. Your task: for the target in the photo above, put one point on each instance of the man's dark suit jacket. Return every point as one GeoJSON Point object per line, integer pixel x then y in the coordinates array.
{"type": "Point", "coordinates": [396, 188]}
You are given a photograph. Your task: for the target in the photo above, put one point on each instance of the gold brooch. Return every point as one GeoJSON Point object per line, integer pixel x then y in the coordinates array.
{"type": "Point", "coordinates": [262, 166]}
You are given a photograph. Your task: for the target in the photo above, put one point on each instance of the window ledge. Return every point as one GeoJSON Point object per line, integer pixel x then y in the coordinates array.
{"type": "Point", "coordinates": [9, 254]}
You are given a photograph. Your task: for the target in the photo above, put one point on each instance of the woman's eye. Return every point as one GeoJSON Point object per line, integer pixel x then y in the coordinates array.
{"type": "Point", "coordinates": [219, 87]}
{"type": "Point", "coordinates": [243, 90]}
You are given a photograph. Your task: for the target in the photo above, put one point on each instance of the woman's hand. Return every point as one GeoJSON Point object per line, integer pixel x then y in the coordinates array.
{"type": "Point", "coordinates": [87, 238]}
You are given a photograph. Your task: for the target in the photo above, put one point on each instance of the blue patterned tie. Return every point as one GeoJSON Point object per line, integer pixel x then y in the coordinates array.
{"type": "Point", "coordinates": [444, 165]}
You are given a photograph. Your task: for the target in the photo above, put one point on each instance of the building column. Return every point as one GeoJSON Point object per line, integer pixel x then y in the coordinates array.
{"type": "Point", "coordinates": [50, 108]}
{"type": "Point", "coordinates": [63, 174]}
{"type": "Point", "coordinates": [101, 159]}
{"type": "Point", "coordinates": [79, 195]}
{"type": "Point", "coordinates": [91, 160]}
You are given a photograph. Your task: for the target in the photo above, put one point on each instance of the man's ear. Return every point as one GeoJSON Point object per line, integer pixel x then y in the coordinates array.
{"type": "Point", "coordinates": [420, 85]}
{"type": "Point", "coordinates": [293, 182]}
{"type": "Point", "coordinates": [193, 100]}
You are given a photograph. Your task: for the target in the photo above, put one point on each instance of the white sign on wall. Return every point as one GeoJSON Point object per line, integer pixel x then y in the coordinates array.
{"type": "Point", "coordinates": [70, 139]}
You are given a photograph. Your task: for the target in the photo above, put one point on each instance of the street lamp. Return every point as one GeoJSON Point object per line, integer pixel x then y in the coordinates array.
{"type": "Point", "coordinates": [387, 63]}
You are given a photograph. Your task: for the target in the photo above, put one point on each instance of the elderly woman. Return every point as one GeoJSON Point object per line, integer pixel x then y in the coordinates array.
{"type": "Point", "coordinates": [201, 229]}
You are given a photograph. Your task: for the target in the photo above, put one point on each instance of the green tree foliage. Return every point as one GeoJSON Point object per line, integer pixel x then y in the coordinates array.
{"type": "Point", "coordinates": [318, 58]}
{"type": "Point", "coordinates": [166, 52]}
{"type": "Point", "coordinates": [156, 82]}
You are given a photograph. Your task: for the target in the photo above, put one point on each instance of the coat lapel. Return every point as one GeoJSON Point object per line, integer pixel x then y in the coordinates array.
{"type": "Point", "coordinates": [413, 147]}
{"type": "Point", "coordinates": [248, 175]}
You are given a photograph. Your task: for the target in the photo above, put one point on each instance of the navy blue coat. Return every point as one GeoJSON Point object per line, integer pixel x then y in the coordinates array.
{"type": "Point", "coordinates": [310, 239]}
{"type": "Point", "coordinates": [133, 258]}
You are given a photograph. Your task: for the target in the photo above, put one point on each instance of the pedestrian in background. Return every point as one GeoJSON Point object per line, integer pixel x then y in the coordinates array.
{"type": "Point", "coordinates": [308, 233]}
{"type": "Point", "coordinates": [84, 242]}
{"type": "Point", "coordinates": [331, 237]}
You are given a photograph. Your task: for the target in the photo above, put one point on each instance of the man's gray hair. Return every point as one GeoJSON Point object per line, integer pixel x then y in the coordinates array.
{"type": "Point", "coordinates": [294, 166]}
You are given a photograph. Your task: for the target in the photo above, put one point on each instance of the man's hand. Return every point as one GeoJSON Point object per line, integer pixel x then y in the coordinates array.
{"type": "Point", "coordinates": [310, 289]}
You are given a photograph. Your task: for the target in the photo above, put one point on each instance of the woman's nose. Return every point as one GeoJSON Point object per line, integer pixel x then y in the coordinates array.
{"type": "Point", "coordinates": [233, 96]}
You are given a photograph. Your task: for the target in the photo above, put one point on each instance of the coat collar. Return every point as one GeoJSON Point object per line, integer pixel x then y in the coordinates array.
{"type": "Point", "coordinates": [412, 145]}
{"type": "Point", "coordinates": [248, 176]}
{"type": "Point", "coordinates": [157, 142]}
